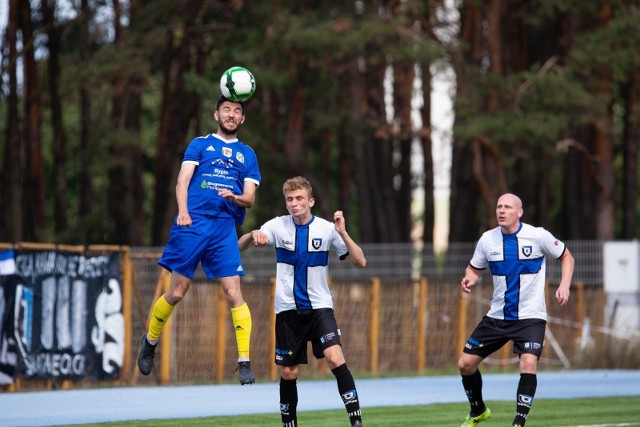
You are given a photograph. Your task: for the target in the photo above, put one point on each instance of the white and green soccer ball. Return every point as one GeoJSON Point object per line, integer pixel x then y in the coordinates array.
{"type": "Point", "coordinates": [237, 84]}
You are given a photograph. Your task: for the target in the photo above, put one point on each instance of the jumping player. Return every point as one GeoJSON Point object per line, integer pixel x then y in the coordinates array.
{"type": "Point", "coordinates": [216, 183]}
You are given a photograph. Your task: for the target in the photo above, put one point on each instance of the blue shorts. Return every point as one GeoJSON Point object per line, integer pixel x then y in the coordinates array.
{"type": "Point", "coordinates": [210, 240]}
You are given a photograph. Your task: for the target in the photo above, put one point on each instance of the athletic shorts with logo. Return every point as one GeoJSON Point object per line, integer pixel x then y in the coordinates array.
{"type": "Point", "coordinates": [294, 328]}
{"type": "Point", "coordinates": [210, 240]}
{"type": "Point", "coordinates": [491, 334]}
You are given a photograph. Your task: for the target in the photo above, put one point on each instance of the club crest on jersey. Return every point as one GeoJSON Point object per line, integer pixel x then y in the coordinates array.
{"type": "Point", "coordinates": [227, 152]}
{"type": "Point", "coordinates": [316, 242]}
{"type": "Point", "coordinates": [526, 251]}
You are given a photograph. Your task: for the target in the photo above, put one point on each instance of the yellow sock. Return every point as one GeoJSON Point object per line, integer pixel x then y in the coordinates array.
{"type": "Point", "coordinates": [241, 317]}
{"type": "Point", "coordinates": [161, 312]}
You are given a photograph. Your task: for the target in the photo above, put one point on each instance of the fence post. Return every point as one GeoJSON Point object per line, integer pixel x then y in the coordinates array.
{"type": "Point", "coordinates": [273, 368]}
{"type": "Point", "coordinates": [579, 316]}
{"type": "Point", "coordinates": [374, 325]}
{"type": "Point", "coordinates": [221, 334]}
{"type": "Point", "coordinates": [463, 301]}
{"type": "Point", "coordinates": [127, 311]}
{"type": "Point", "coordinates": [421, 339]}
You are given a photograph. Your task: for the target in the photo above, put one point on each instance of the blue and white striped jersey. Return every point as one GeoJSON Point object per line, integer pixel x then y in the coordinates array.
{"type": "Point", "coordinates": [517, 263]}
{"type": "Point", "coordinates": [302, 256]}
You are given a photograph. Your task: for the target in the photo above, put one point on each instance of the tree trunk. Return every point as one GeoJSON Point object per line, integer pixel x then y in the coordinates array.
{"type": "Point", "coordinates": [372, 174]}
{"type": "Point", "coordinates": [86, 177]}
{"type": "Point", "coordinates": [427, 153]}
{"type": "Point", "coordinates": [34, 200]}
{"type": "Point", "coordinates": [59, 135]}
{"type": "Point", "coordinates": [11, 214]}
{"type": "Point", "coordinates": [603, 148]}
{"type": "Point", "coordinates": [404, 76]}
{"type": "Point", "coordinates": [465, 195]}
{"type": "Point", "coordinates": [631, 95]}
{"type": "Point", "coordinates": [179, 107]}
{"type": "Point", "coordinates": [119, 196]}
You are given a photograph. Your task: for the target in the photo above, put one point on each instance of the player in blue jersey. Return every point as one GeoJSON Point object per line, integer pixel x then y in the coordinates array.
{"type": "Point", "coordinates": [303, 302]}
{"type": "Point", "coordinates": [216, 183]}
{"type": "Point", "coordinates": [515, 253]}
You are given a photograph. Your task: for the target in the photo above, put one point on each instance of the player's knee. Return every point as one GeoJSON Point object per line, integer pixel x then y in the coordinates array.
{"type": "Point", "coordinates": [289, 372]}
{"type": "Point", "coordinates": [467, 366]}
{"type": "Point", "coordinates": [234, 297]}
{"type": "Point", "coordinates": [177, 290]}
{"type": "Point", "coordinates": [175, 295]}
{"type": "Point", "coordinates": [334, 357]}
{"type": "Point", "coordinates": [528, 365]}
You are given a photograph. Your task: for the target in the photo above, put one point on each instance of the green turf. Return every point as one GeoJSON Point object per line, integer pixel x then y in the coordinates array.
{"type": "Point", "coordinates": [609, 412]}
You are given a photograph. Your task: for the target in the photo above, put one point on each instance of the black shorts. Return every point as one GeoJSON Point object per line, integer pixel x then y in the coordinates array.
{"type": "Point", "coordinates": [294, 328]}
{"type": "Point", "coordinates": [491, 334]}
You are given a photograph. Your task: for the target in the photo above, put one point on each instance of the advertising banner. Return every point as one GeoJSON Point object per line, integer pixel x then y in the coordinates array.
{"type": "Point", "coordinates": [61, 316]}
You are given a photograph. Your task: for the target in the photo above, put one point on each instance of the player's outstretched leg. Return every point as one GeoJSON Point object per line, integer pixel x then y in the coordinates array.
{"type": "Point", "coordinates": [246, 373]}
{"type": "Point", "coordinates": [162, 310]}
{"type": "Point", "coordinates": [349, 394]}
{"type": "Point", "coordinates": [473, 388]}
{"type": "Point", "coordinates": [146, 355]}
{"type": "Point", "coordinates": [526, 391]}
{"type": "Point", "coordinates": [472, 421]}
{"type": "Point", "coordinates": [288, 402]}
{"type": "Point", "coordinates": [241, 317]}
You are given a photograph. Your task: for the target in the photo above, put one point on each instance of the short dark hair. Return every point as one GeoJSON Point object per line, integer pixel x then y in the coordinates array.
{"type": "Point", "coordinates": [223, 99]}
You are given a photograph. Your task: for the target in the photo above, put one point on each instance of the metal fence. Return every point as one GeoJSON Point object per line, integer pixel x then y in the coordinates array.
{"type": "Point", "coordinates": [398, 267]}
{"type": "Point", "coordinates": [404, 260]}
{"type": "Point", "coordinates": [402, 314]}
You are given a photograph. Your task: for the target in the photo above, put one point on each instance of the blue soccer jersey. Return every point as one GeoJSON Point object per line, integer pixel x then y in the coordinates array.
{"type": "Point", "coordinates": [302, 255]}
{"type": "Point", "coordinates": [220, 164]}
{"type": "Point", "coordinates": [517, 263]}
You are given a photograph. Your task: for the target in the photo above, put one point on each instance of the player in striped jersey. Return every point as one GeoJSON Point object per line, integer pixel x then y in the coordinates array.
{"type": "Point", "coordinates": [303, 302]}
{"type": "Point", "coordinates": [515, 253]}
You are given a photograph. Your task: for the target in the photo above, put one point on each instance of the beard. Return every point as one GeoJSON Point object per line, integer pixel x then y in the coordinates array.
{"type": "Point", "coordinates": [227, 130]}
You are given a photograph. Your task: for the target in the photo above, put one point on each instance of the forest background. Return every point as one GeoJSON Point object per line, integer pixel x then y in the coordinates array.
{"type": "Point", "coordinates": [99, 99]}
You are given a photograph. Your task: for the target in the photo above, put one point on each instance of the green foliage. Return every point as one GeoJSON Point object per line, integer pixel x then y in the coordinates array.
{"type": "Point", "coordinates": [534, 107]}
{"type": "Point", "coordinates": [572, 75]}
{"type": "Point", "coordinates": [610, 49]}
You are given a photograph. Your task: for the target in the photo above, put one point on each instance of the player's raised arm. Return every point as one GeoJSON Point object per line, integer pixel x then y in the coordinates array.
{"type": "Point", "coordinates": [356, 254]}
{"type": "Point", "coordinates": [252, 238]}
{"type": "Point", "coordinates": [567, 265]}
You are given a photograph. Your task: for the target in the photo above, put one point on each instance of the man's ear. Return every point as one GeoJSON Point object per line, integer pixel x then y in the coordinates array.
{"type": "Point", "coordinates": [216, 115]}
{"type": "Point", "coordinates": [312, 202]}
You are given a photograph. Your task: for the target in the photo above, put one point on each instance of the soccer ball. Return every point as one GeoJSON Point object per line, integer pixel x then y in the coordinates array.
{"type": "Point", "coordinates": [237, 84]}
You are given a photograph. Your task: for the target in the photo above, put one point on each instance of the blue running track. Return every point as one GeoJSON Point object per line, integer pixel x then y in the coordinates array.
{"type": "Point", "coordinates": [138, 403]}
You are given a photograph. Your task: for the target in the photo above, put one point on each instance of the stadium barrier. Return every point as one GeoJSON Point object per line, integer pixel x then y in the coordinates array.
{"type": "Point", "coordinates": [402, 315]}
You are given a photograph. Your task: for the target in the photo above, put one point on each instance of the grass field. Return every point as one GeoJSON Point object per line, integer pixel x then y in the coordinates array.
{"type": "Point", "coordinates": [592, 412]}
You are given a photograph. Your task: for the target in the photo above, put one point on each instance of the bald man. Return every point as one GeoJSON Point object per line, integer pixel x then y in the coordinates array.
{"type": "Point", "coordinates": [515, 253]}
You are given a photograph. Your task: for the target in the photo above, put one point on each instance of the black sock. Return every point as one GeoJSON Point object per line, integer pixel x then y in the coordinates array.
{"type": "Point", "coordinates": [288, 402]}
{"type": "Point", "coordinates": [473, 388]}
{"type": "Point", "coordinates": [348, 393]}
{"type": "Point", "coordinates": [526, 390]}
